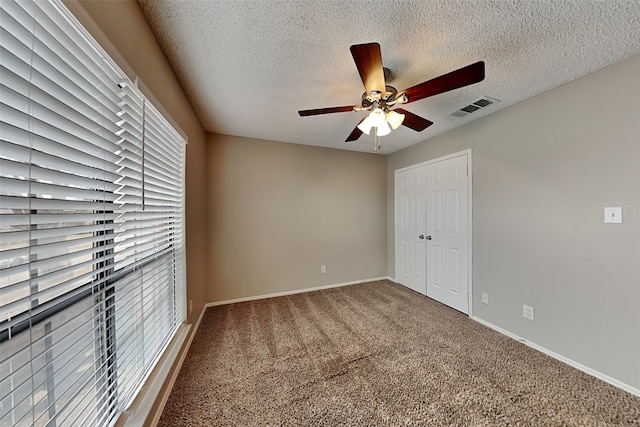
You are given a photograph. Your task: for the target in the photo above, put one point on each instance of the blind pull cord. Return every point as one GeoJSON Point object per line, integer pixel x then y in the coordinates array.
{"type": "Point", "coordinates": [144, 121]}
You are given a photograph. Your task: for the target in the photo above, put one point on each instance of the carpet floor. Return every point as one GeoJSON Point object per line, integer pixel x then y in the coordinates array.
{"type": "Point", "coordinates": [376, 354]}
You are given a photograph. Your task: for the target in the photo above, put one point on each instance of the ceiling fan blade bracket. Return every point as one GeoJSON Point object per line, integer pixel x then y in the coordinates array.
{"type": "Point", "coordinates": [401, 98]}
{"type": "Point", "coordinates": [390, 94]}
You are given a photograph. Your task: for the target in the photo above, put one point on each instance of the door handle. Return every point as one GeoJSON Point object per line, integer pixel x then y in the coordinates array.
{"type": "Point", "coordinates": [428, 237]}
{"type": "Point", "coordinates": [421, 236]}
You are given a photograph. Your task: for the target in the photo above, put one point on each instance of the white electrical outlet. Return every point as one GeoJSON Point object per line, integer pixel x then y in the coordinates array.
{"type": "Point", "coordinates": [323, 269]}
{"type": "Point", "coordinates": [485, 298]}
{"type": "Point", "coordinates": [613, 215]}
{"type": "Point", "coordinates": [528, 312]}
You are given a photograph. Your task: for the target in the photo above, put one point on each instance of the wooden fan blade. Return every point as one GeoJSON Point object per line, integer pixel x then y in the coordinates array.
{"type": "Point", "coordinates": [356, 133]}
{"type": "Point", "coordinates": [413, 121]}
{"type": "Point", "coordinates": [464, 76]}
{"type": "Point", "coordinates": [317, 111]}
{"type": "Point", "coordinates": [368, 60]}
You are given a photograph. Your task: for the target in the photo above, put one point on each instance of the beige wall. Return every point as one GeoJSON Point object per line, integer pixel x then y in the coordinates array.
{"type": "Point", "coordinates": [543, 170]}
{"type": "Point", "coordinates": [277, 212]}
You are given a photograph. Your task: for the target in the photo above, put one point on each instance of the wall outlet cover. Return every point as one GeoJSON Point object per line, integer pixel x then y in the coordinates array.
{"type": "Point", "coordinates": [528, 312]}
{"type": "Point", "coordinates": [485, 298]}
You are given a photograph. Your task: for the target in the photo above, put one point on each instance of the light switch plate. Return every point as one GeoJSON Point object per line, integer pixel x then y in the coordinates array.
{"type": "Point", "coordinates": [613, 215]}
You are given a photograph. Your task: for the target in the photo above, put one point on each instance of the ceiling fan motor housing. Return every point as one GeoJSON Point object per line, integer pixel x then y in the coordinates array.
{"type": "Point", "coordinates": [375, 98]}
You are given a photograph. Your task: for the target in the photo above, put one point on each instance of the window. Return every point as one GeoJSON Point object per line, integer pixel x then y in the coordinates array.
{"type": "Point", "coordinates": [92, 270]}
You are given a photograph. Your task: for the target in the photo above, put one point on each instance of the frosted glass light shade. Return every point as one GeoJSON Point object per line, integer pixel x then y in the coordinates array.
{"type": "Point", "coordinates": [383, 129]}
{"type": "Point", "coordinates": [394, 119]}
{"type": "Point", "coordinates": [365, 126]}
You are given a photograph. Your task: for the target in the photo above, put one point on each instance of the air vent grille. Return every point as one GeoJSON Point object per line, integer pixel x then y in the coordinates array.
{"type": "Point", "coordinates": [474, 106]}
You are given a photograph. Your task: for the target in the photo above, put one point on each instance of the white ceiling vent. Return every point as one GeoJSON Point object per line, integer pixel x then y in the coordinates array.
{"type": "Point", "coordinates": [475, 106]}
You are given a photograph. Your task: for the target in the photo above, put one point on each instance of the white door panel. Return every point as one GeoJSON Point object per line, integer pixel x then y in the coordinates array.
{"type": "Point", "coordinates": [411, 212]}
{"type": "Point", "coordinates": [446, 214]}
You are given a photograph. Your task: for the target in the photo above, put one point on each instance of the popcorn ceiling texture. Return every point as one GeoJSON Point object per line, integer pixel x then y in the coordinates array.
{"type": "Point", "coordinates": [376, 354]}
{"type": "Point", "coordinates": [249, 66]}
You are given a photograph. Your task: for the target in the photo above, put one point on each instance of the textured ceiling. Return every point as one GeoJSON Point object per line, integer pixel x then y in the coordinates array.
{"type": "Point", "coordinates": [249, 66]}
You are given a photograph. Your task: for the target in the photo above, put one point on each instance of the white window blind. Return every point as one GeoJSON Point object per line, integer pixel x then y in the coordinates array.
{"type": "Point", "coordinates": [92, 283]}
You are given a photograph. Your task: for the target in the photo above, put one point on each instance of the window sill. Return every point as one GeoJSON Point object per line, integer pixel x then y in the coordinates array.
{"type": "Point", "coordinates": [140, 411]}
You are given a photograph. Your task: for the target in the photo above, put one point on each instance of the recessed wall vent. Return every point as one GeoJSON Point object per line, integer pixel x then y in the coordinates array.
{"type": "Point", "coordinates": [475, 106]}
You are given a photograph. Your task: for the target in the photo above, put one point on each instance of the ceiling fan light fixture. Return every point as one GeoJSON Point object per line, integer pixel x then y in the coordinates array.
{"type": "Point", "coordinates": [394, 119]}
{"type": "Point", "coordinates": [377, 117]}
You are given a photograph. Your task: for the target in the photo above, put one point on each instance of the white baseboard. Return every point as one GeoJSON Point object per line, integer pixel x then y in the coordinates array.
{"type": "Point", "coordinates": [293, 292]}
{"type": "Point", "coordinates": [561, 358]}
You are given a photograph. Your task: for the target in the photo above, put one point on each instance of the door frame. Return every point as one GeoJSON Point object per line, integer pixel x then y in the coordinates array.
{"type": "Point", "coordinates": [396, 224]}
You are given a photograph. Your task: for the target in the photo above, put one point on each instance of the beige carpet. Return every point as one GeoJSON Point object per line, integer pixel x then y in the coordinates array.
{"type": "Point", "coordinates": [376, 354]}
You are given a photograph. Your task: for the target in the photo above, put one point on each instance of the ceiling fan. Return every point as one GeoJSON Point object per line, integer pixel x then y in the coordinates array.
{"type": "Point", "coordinates": [379, 98]}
